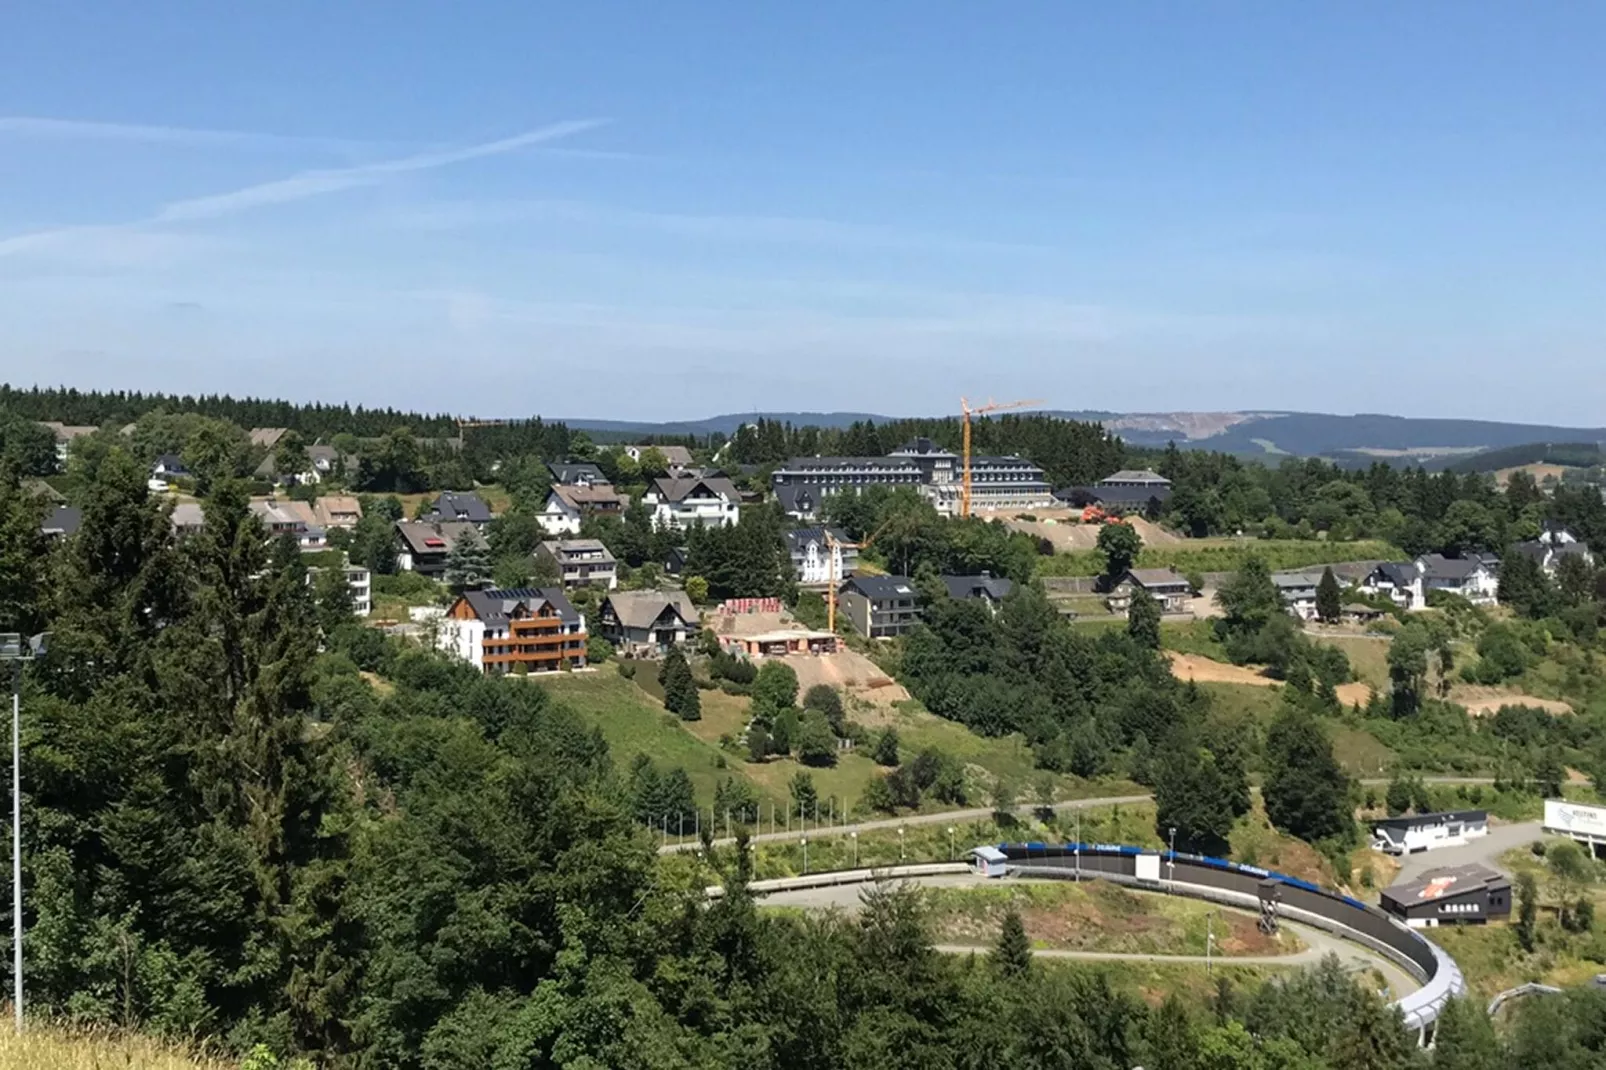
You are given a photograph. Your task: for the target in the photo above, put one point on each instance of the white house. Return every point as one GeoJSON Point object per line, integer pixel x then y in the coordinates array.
{"type": "Point", "coordinates": [817, 562]}
{"type": "Point", "coordinates": [678, 503]}
{"type": "Point", "coordinates": [1425, 832]}
{"type": "Point", "coordinates": [1554, 543]}
{"type": "Point", "coordinates": [1299, 592]}
{"type": "Point", "coordinates": [1398, 581]}
{"type": "Point", "coordinates": [1475, 577]}
{"type": "Point", "coordinates": [567, 506]}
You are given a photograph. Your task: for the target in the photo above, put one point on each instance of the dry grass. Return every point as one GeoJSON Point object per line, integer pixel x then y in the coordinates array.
{"type": "Point", "coordinates": [50, 1049]}
{"type": "Point", "coordinates": [1204, 670]}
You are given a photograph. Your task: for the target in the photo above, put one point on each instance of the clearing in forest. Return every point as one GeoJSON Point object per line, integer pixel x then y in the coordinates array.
{"type": "Point", "coordinates": [1205, 671]}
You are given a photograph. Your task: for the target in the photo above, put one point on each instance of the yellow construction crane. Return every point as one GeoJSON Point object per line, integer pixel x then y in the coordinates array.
{"type": "Point", "coordinates": [832, 544]}
{"type": "Point", "coordinates": [991, 406]}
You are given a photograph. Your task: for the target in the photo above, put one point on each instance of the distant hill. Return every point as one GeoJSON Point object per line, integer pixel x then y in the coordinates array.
{"type": "Point", "coordinates": [1357, 439]}
{"type": "Point", "coordinates": [1566, 454]}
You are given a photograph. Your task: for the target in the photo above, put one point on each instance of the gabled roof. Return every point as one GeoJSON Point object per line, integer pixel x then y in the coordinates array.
{"type": "Point", "coordinates": [799, 538]}
{"type": "Point", "coordinates": [500, 605]}
{"type": "Point", "coordinates": [581, 498]}
{"type": "Point", "coordinates": [460, 505]}
{"type": "Point", "coordinates": [796, 500]}
{"type": "Point", "coordinates": [68, 432]}
{"type": "Point", "coordinates": [674, 455]}
{"type": "Point", "coordinates": [1157, 578]}
{"type": "Point", "coordinates": [170, 462]}
{"type": "Point", "coordinates": [922, 447]}
{"type": "Point", "coordinates": [187, 515]}
{"type": "Point", "coordinates": [434, 536]}
{"type": "Point", "coordinates": [1439, 567]}
{"type": "Point", "coordinates": [1398, 573]}
{"type": "Point", "coordinates": [1295, 581]}
{"type": "Point", "coordinates": [564, 548]}
{"type": "Point", "coordinates": [333, 508]}
{"type": "Point", "coordinates": [638, 609]}
{"type": "Point", "coordinates": [1135, 475]}
{"type": "Point", "coordinates": [882, 586]}
{"type": "Point", "coordinates": [983, 586]}
{"type": "Point", "coordinates": [576, 472]}
{"type": "Point", "coordinates": [268, 436]}
{"type": "Point", "coordinates": [1130, 497]}
{"type": "Point", "coordinates": [672, 489]}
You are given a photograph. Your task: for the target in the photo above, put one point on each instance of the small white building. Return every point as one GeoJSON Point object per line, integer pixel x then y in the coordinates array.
{"type": "Point", "coordinates": [1425, 832]}
{"type": "Point", "coordinates": [818, 562]}
{"type": "Point", "coordinates": [568, 505]}
{"type": "Point", "coordinates": [361, 582]}
{"type": "Point", "coordinates": [1298, 590]}
{"type": "Point", "coordinates": [679, 503]}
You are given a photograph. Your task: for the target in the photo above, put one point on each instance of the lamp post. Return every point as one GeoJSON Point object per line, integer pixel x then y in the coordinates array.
{"type": "Point", "coordinates": [805, 841]}
{"type": "Point", "coordinates": [1210, 938]}
{"type": "Point", "coordinates": [15, 649]}
{"type": "Point", "coordinates": [900, 843]}
{"type": "Point", "coordinates": [1173, 860]}
{"type": "Point", "coordinates": [854, 836]}
{"type": "Point", "coordinates": [950, 842]}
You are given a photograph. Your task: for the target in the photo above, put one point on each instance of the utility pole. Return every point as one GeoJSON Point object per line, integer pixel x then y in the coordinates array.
{"type": "Point", "coordinates": [1210, 938]}
{"type": "Point", "coordinates": [16, 650]}
{"type": "Point", "coordinates": [1173, 861]}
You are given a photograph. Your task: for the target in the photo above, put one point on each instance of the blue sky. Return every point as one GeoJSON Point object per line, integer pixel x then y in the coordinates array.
{"type": "Point", "coordinates": [668, 211]}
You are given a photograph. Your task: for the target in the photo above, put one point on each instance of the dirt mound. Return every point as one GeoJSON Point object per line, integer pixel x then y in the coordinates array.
{"type": "Point", "coordinates": [1064, 528]}
{"type": "Point", "coordinates": [1206, 671]}
{"type": "Point", "coordinates": [1483, 701]}
{"type": "Point", "coordinates": [848, 671]}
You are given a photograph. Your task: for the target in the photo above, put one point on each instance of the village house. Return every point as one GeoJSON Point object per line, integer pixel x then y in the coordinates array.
{"type": "Point", "coordinates": [815, 560]}
{"type": "Point", "coordinates": [581, 562]}
{"type": "Point", "coordinates": [576, 474]}
{"type": "Point", "coordinates": [567, 506]}
{"type": "Point", "coordinates": [187, 518]}
{"type": "Point", "coordinates": [1298, 591]}
{"type": "Point", "coordinates": [674, 456]}
{"type": "Point", "coordinates": [459, 505]}
{"type": "Point", "coordinates": [1475, 577]}
{"type": "Point", "coordinates": [1554, 543]}
{"type": "Point", "coordinates": [337, 511]}
{"type": "Point", "coordinates": [520, 630]}
{"type": "Point", "coordinates": [1398, 581]}
{"type": "Point", "coordinates": [986, 588]}
{"type": "Point", "coordinates": [647, 623]}
{"type": "Point", "coordinates": [1165, 585]}
{"type": "Point", "coordinates": [66, 434]}
{"type": "Point", "coordinates": [425, 544]}
{"type": "Point", "coordinates": [679, 503]}
{"type": "Point", "coordinates": [61, 521]}
{"type": "Point", "coordinates": [880, 607]}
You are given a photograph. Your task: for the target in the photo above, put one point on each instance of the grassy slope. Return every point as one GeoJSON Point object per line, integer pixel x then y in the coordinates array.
{"type": "Point", "coordinates": [42, 1048]}
{"type": "Point", "coordinates": [1226, 555]}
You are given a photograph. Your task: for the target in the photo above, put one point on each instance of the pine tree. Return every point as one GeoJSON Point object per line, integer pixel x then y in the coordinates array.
{"type": "Point", "coordinates": [1329, 601]}
{"type": "Point", "coordinates": [1012, 954]}
{"type": "Point", "coordinates": [680, 689]}
{"type": "Point", "coordinates": [1464, 1039]}
{"type": "Point", "coordinates": [468, 565]}
{"type": "Point", "coordinates": [1143, 619]}
{"type": "Point", "coordinates": [1527, 927]}
{"type": "Point", "coordinates": [1305, 790]}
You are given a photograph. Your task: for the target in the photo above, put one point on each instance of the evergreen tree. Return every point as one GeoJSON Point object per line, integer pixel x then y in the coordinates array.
{"type": "Point", "coordinates": [804, 797]}
{"type": "Point", "coordinates": [1012, 954]}
{"type": "Point", "coordinates": [886, 748]}
{"type": "Point", "coordinates": [680, 688]}
{"type": "Point", "coordinates": [1527, 927]}
{"type": "Point", "coordinates": [1398, 797]}
{"type": "Point", "coordinates": [1329, 598]}
{"type": "Point", "coordinates": [1192, 795]}
{"type": "Point", "coordinates": [1524, 586]}
{"type": "Point", "coordinates": [1143, 619]}
{"type": "Point", "coordinates": [468, 565]}
{"type": "Point", "coordinates": [1305, 791]}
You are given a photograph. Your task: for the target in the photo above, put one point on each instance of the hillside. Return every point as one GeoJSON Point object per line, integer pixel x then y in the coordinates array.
{"type": "Point", "coordinates": [1563, 454]}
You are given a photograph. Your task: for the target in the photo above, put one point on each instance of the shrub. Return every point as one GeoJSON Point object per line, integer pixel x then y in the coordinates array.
{"type": "Point", "coordinates": [731, 687]}
{"type": "Point", "coordinates": [627, 669]}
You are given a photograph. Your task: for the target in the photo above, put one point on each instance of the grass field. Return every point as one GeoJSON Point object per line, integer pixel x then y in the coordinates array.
{"type": "Point", "coordinates": [1192, 637]}
{"type": "Point", "coordinates": [1226, 555]}
{"type": "Point", "coordinates": [1368, 658]}
{"type": "Point", "coordinates": [1099, 916]}
{"type": "Point", "coordinates": [44, 1048]}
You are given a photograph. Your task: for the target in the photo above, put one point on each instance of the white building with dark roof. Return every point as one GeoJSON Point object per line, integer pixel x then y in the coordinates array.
{"type": "Point", "coordinates": [818, 562]}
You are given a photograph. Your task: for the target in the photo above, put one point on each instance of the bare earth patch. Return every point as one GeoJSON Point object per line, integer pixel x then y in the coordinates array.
{"type": "Point", "coordinates": [1206, 671]}
{"type": "Point", "coordinates": [1482, 701]}
{"type": "Point", "coordinates": [1069, 534]}
{"type": "Point", "coordinates": [850, 672]}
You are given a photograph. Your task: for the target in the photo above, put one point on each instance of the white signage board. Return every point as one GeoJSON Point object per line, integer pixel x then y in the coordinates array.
{"type": "Point", "coordinates": [1569, 818]}
{"type": "Point", "coordinates": [1148, 867]}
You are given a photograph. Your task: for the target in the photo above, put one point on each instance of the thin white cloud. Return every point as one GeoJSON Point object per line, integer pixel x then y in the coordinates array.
{"type": "Point", "coordinates": [298, 187]}
{"type": "Point", "coordinates": [30, 126]}
{"type": "Point", "coordinates": [332, 180]}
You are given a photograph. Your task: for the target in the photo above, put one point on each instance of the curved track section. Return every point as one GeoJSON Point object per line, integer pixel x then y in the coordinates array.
{"type": "Point", "coordinates": [1239, 885]}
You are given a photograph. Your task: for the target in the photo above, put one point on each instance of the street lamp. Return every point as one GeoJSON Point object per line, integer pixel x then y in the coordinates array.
{"type": "Point", "coordinates": [950, 842]}
{"type": "Point", "coordinates": [1210, 938]}
{"type": "Point", "coordinates": [805, 841]}
{"type": "Point", "coordinates": [900, 843]}
{"type": "Point", "coordinates": [854, 836]}
{"type": "Point", "coordinates": [15, 649]}
{"type": "Point", "coordinates": [1173, 860]}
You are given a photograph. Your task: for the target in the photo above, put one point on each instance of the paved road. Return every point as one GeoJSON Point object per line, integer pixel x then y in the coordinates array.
{"type": "Point", "coordinates": [1318, 943]}
{"type": "Point", "coordinates": [1486, 850]}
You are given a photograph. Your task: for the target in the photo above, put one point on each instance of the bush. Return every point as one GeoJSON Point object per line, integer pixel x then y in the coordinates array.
{"type": "Point", "coordinates": [627, 669]}
{"type": "Point", "coordinates": [598, 650]}
{"type": "Point", "coordinates": [824, 698]}
{"type": "Point", "coordinates": [704, 683]}
{"type": "Point", "coordinates": [731, 687]}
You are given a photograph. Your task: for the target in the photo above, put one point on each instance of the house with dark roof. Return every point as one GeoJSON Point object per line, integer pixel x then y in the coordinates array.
{"type": "Point", "coordinates": [1298, 591]}
{"type": "Point", "coordinates": [459, 505]}
{"type": "Point", "coordinates": [798, 502]}
{"type": "Point", "coordinates": [1398, 581]}
{"type": "Point", "coordinates": [1165, 585]}
{"type": "Point", "coordinates": [61, 521]}
{"type": "Point", "coordinates": [568, 505]}
{"type": "Point", "coordinates": [424, 545]}
{"type": "Point", "coordinates": [819, 559]}
{"type": "Point", "coordinates": [679, 503]}
{"type": "Point", "coordinates": [674, 456]}
{"type": "Point", "coordinates": [1473, 576]}
{"type": "Point", "coordinates": [880, 607]}
{"type": "Point", "coordinates": [576, 474]}
{"type": "Point", "coordinates": [519, 630]}
{"type": "Point", "coordinates": [1553, 544]}
{"type": "Point", "coordinates": [647, 623]}
{"type": "Point", "coordinates": [1127, 491]}
{"type": "Point", "coordinates": [581, 562]}
{"type": "Point", "coordinates": [1454, 895]}
{"type": "Point", "coordinates": [986, 588]}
